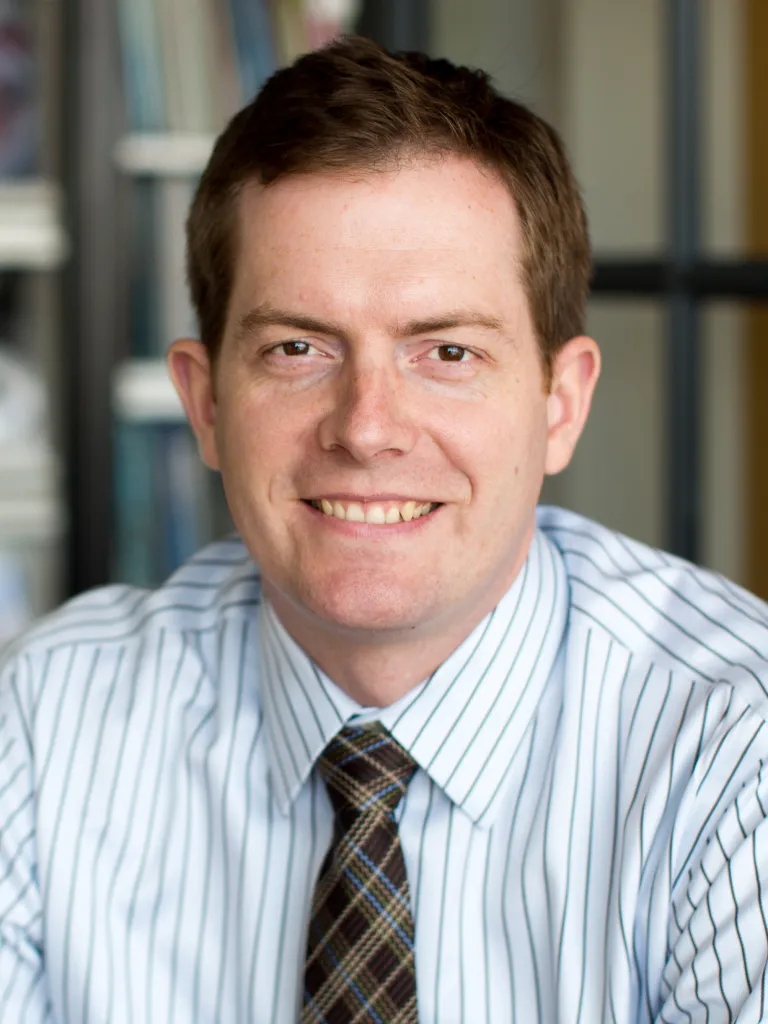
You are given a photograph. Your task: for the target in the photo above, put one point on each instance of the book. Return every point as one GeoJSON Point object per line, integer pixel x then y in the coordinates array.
{"type": "Point", "coordinates": [290, 29]}
{"type": "Point", "coordinates": [168, 503]}
{"type": "Point", "coordinates": [145, 336]}
{"type": "Point", "coordinates": [139, 34]}
{"type": "Point", "coordinates": [15, 603]}
{"type": "Point", "coordinates": [177, 319]}
{"type": "Point", "coordinates": [224, 37]}
{"type": "Point", "coordinates": [192, 81]}
{"type": "Point", "coordinates": [134, 559]}
{"type": "Point", "coordinates": [19, 114]}
{"type": "Point", "coordinates": [254, 36]}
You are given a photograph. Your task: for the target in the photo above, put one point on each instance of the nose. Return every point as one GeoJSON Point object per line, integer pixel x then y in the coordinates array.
{"type": "Point", "coordinates": [369, 417]}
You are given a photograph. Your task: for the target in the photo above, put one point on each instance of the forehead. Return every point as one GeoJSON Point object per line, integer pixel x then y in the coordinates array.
{"type": "Point", "coordinates": [382, 236]}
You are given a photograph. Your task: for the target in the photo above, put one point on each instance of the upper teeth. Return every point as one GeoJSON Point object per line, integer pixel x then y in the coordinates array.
{"type": "Point", "coordinates": [377, 513]}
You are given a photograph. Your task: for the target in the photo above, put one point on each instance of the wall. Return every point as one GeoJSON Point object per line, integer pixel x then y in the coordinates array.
{"type": "Point", "coordinates": [597, 69]}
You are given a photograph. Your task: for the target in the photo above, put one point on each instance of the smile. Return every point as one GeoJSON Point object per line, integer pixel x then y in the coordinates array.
{"type": "Point", "coordinates": [375, 513]}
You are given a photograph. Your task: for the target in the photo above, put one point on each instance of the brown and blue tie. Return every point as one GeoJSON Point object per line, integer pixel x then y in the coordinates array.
{"type": "Point", "coordinates": [360, 948]}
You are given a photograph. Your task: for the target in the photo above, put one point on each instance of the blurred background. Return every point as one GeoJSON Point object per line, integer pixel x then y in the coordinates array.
{"type": "Point", "coordinates": [108, 110]}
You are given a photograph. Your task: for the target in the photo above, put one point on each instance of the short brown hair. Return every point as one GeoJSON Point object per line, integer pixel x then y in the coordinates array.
{"type": "Point", "coordinates": [353, 105]}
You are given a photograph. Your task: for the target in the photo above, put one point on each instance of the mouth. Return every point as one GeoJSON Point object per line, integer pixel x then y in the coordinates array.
{"type": "Point", "coordinates": [374, 513]}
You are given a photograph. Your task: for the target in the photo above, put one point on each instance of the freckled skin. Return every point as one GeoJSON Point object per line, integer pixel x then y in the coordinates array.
{"type": "Point", "coordinates": [364, 409]}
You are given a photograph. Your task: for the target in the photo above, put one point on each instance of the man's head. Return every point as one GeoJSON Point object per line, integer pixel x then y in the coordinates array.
{"type": "Point", "coordinates": [389, 262]}
{"type": "Point", "coordinates": [354, 107]}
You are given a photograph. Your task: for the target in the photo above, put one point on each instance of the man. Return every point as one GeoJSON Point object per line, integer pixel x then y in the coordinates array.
{"type": "Point", "coordinates": [407, 748]}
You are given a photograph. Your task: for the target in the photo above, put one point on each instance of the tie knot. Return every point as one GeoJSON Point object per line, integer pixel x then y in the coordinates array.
{"type": "Point", "coordinates": [365, 769]}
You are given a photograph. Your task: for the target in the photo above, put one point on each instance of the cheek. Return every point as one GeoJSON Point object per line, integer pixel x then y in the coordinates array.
{"type": "Point", "coordinates": [253, 423]}
{"type": "Point", "coordinates": [500, 448]}
{"type": "Point", "coordinates": [246, 446]}
{"type": "Point", "coordinates": [261, 445]}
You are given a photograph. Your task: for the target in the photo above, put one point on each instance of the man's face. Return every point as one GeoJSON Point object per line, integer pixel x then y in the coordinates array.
{"type": "Point", "coordinates": [379, 357]}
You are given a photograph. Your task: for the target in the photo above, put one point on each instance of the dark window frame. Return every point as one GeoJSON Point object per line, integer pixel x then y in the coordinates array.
{"type": "Point", "coordinates": [683, 277]}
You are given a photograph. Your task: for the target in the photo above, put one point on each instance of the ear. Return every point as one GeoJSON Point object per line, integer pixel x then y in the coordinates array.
{"type": "Point", "coordinates": [192, 374]}
{"type": "Point", "coordinates": [575, 371]}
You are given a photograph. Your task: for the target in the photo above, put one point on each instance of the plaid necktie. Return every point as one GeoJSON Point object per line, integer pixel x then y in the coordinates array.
{"type": "Point", "coordinates": [360, 960]}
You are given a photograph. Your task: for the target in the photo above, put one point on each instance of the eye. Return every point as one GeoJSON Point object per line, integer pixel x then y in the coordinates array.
{"type": "Point", "coordinates": [450, 353]}
{"type": "Point", "coordinates": [293, 348]}
{"type": "Point", "coordinates": [297, 356]}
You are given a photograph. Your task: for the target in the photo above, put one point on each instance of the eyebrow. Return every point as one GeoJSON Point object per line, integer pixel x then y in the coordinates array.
{"type": "Point", "coordinates": [268, 316]}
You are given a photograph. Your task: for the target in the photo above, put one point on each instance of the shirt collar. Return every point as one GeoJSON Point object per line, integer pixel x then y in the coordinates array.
{"type": "Point", "coordinates": [463, 726]}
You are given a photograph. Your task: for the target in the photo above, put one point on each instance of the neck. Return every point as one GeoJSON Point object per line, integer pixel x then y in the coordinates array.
{"type": "Point", "coordinates": [379, 674]}
{"type": "Point", "coordinates": [374, 673]}
{"type": "Point", "coordinates": [377, 668]}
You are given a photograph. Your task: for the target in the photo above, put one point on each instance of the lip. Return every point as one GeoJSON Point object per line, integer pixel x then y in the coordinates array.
{"type": "Point", "coordinates": [369, 499]}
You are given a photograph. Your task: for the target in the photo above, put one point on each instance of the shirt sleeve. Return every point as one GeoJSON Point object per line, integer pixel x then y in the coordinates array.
{"type": "Point", "coordinates": [717, 969]}
{"type": "Point", "coordinates": [23, 987]}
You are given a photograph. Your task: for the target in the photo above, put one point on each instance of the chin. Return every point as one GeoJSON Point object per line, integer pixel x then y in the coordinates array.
{"type": "Point", "coordinates": [363, 604]}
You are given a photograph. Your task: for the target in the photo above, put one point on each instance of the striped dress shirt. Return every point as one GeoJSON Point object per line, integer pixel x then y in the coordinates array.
{"type": "Point", "coordinates": [585, 836]}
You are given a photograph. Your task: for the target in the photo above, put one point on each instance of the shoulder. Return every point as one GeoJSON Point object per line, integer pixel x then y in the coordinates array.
{"type": "Point", "coordinates": [119, 624]}
{"type": "Point", "coordinates": [662, 609]}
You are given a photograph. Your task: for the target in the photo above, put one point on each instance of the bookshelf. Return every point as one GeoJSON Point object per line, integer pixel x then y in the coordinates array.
{"type": "Point", "coordinates": [34, 248]}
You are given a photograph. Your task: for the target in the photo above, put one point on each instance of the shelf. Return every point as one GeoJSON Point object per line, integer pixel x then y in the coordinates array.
{"type": "Point", "coordinates": [143, 393]}
{"type": "Point", "coordinates": [30, 503]}
{"type": "Point", "coordinates": [33, 519]}
{"type": "Point", "coordinates": [31, 233]}
{"type": "Point", "coordinates": [164, 156]}
{"type": "Point", "coordinates": [28, 469]}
